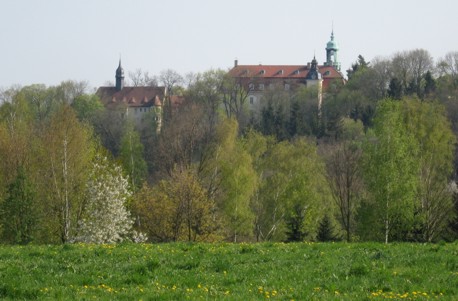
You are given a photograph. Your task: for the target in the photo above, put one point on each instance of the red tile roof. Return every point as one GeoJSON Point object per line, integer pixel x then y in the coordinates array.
{"type": "Point", "coordinates": [132, 96]}
{"type": "Point", "coordinates": [283, 72]}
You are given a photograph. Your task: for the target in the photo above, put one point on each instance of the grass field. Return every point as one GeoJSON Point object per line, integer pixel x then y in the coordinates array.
{"type": "Point", "coordinates": [306, 271]}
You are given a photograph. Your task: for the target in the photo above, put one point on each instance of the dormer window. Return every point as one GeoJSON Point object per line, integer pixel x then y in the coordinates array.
{"type": "Point", "coordinates": [327, 73]}
{"type": "Point", "coordinates": [262, 72]}
{"type": "Point", "coordinates": [296, 72]}
{"type": "Point", "coordinates": [280, 72]}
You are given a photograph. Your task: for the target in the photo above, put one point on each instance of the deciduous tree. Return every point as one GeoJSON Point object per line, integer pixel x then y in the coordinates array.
{"type": "Point", "coordinates": [391, 171]}
{"type": "Point", "coordinates": [105, 217]}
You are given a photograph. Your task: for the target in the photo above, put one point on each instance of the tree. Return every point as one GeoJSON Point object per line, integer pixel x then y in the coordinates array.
{"type": "Point", "coordinates": [105, 217]}
{"type": "Point", "coordinates": [395, 90]}
{"type": "Point", "coordinates": [170, 78]}
{"type": "Point", "coordinates": [109, 125]}
{"type": "Point", "coordinates": [176, 209]}
{"type": "Point", "coordinates": [142, 78]}
{"type": "Point", "coordinates": [231, 180]}
{"type": "Point", "coordinates": [436, 141]}
{"type": "Point", "coordinates": [18, 212]}
{"type": "Point", "coordinates": [235, 97]}
{"type": "Point", "coordinates": [181, 141]}
{"type": "Point", "coordinates": [16, 137]}
{"type": "Point", "coordinates": [132, 156]}
{"type": "Point", "coordinates": [65, 159]}
{"type": "Point", "coordinates": [256, 145]}
{"type": "Point", "coordinates": [274, 109]}
{"type": "Point", "coordinates": [448, 68]}
{"type": "Point", "coordinates": [205, 91]}
{"type": "Point", "coordinates": [409, 67]}
{"type": "Point", "coordinates": [344, 174]}
{"type": "Point", "coordinates": [391, 171]}
{"type": "Point", "coordinates": [292, 190]}
{"type": "Point", "coordinates": [326, 231]}
{"type": "Point", "coordinates": [67, 91]}
{"type": "Point", "coordinates": [296, 230]}
{"type": "Point", "coordinates": [87, 106]}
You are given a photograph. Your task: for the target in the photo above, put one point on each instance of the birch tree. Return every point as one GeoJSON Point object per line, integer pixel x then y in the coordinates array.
{"type": "Point", "coordinates": [432, 131]}
{"type": "Point", "coordinates": [65, 160]}
{"type": "Point", "coordinates": [391, 171]}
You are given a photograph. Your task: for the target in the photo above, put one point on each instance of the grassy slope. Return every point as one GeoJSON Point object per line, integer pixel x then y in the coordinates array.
{"type": "Point", "coordinates": [366, 271]}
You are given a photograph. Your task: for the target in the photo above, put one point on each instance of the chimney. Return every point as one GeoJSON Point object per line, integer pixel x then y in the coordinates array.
{"type": "Point", "coordinates": [236, 63]}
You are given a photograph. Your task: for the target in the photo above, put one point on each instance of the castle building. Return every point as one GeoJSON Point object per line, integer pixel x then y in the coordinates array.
{"type": "Point", "coordinates": [256, 79]}
{"type": "Point", "coordinates": [133, 102]}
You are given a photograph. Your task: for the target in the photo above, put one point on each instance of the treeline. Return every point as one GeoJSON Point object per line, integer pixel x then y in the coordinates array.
{"type": "Point", "coordinates": [377, 162]}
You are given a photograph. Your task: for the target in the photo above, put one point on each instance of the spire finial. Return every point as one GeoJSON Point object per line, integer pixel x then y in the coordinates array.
{"type": "Point", "coordinates": [332, 31]}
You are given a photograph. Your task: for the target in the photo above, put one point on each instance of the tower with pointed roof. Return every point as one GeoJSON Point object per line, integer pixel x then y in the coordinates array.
{"type": "Point", "coordinates": [313, 73]}
{"type": "Point", "coordinates": [119, 77]}
{"type": "Point", "coordinates": [331, 53]}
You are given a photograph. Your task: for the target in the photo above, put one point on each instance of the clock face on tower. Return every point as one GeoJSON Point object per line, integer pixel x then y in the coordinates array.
{"type": "Point", "coordinates": [313, 76]}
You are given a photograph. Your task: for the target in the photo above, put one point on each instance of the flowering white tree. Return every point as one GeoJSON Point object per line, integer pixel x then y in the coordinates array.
{"type": "Point", "coordinates": [105, 218]}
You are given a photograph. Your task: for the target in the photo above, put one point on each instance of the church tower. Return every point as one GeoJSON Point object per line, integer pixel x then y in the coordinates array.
{"type": "Point", "coordinates": [119, 77]}
{"type": "Point", "coordinates": [331, 53]}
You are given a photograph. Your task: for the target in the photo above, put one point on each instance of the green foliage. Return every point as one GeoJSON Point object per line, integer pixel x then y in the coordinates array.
{"type": "Point", "coordinates": [295, 224]}
{"type": "Point", "coordinates": [18, 212]}
{"type": "Point", "coordinates": [391, 171]}
{"type": "Point", "coordinates": [237, 180]}
{"type": "Point", "coordinates": [176, 209]}
{"type": "Point", "coordinates": [326, 230]}
{"type": "Point", "coordinates": [132, 157]}
{"type": "Point", "coordinates": [292, 181]}
{"type": "Point", "coordinates": [65, 159]}
{"type": "Point", "coordinates": [87, 106]}
{"type": "Point", "coordinates": [436, 148]}
{"type": "Point", "coordinates": [295, 271]}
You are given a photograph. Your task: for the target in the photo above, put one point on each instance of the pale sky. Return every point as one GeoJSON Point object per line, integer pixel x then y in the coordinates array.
{"type": "Point", "coordinates": [49, 41]}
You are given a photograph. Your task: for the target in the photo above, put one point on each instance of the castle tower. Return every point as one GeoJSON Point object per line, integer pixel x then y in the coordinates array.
{"type": "Point", "coordinates": [314, 78]}
{"type": "Point", "coordinates": [119, 77]}
{"type": "Point", "coordinates": [331, 53]}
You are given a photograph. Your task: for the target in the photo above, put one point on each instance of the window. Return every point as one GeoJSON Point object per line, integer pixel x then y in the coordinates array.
{"type": "Point", "coordinates": [251, 100]}
{"type": "Point", "coordinates": [261, 87]}
{"type": "Point", "coordinates": [327, 73]}
{"type": "Point", "coordinates": [287, 87]}
{"type": "Point", "coordinates": [251, 86]}
{"type": "Point", "coordinates": [262, 72]}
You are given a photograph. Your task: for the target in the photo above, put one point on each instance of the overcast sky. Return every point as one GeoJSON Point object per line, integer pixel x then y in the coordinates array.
{"type": "Point", "coordinates": [49, 41]}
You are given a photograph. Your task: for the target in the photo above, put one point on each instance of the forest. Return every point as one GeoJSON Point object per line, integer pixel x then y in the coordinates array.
{"type": "Point", "coordinates": [377, 161]}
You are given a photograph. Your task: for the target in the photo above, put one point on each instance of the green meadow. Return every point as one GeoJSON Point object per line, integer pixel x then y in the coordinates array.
{"type": "Point", "coordinates": [277, 271]}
